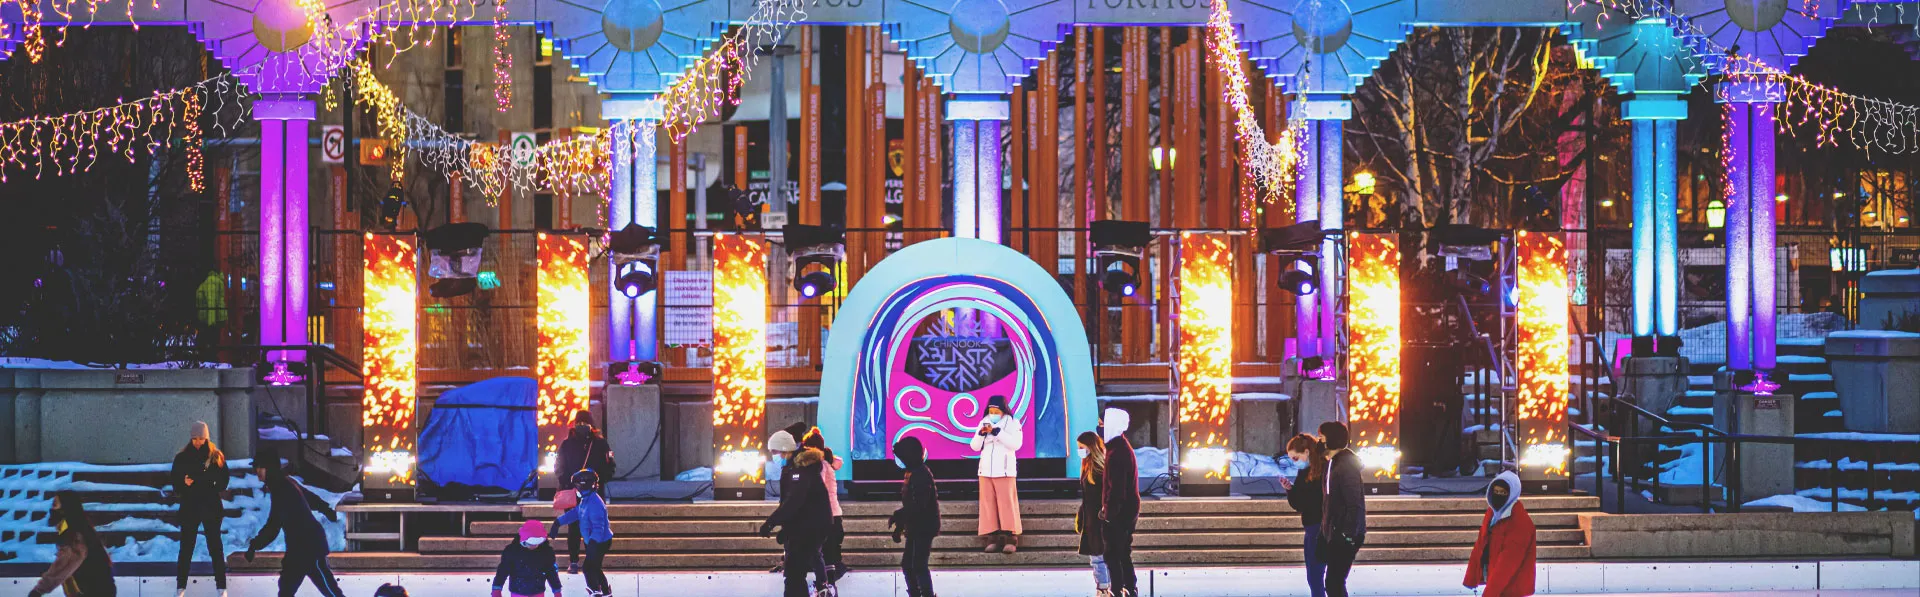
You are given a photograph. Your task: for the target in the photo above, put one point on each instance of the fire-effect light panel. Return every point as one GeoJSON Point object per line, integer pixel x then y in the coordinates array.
{"type": "Point", "coordinates": [1542, 352]}
{"type": "Point", "coordinates": [739, 365]}
{"type": "Point", "coordinates": [1205, 321]}
{"type": "Point", "coordinates": [1373, 362]}
{"type": "Point", "coordinates": [561, 357]}
{"type": "Point", "coordinates": [389, 357]}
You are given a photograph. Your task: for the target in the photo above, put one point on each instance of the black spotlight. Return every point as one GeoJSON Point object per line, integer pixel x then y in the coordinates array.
{"type": "Point", "coordinates": [1118, 246]}
{"type": "Point", "coordinates": [391, 205]}
{"type": "Point", "coordinates": [1300, 278]}
{"type": "Point", "coordinates": [454, 258]}
{"type": "Point", "coordinates": [1301, 242]}
{"type": "Point", "coordinates": [635, 253]}
{"type": "Point", "coordinates": [816, 251]}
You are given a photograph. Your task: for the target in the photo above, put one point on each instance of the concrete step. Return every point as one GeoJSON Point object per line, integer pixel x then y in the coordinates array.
{"type": "Point", "coordinates": [1040, 508]}
{"type": "Point", "coordinates": [958, 542]}
{"type": "Point", "coordinates": [1060, 524]}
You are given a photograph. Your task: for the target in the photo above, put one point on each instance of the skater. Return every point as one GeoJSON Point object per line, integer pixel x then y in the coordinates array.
{"type": "Point", "coordinates": [998, 441]}
{"type": "Point", "coordinates": [590, 515]}
{"type": "Point", "coordinates": [80, 567]}
{"type": "Point", "coordinates": [292, 512]}
{"type": "Point", "coordinates": [199, 475]}
{"type": "Point", "coordinates": [803, 515]}
{"type": "Point", "coordinates": [585, 448]}
{"type": "Point", "coordinates": [1503, 556]}
{"type": "Point", "coordinates": [918, 519]}
{"type": "Point", "coordinates": [830, 558]}
{"type": "Point", "coordinates": [1086, 522]}
{"type": "Point", "coordinates": [1120, 503]}
{"type": "Point", "coordinates": [1305, 493]}
{"type": "Point", "coordinates": [526, 566]}
{"type": "Point", "coordinates": [1343, 517]}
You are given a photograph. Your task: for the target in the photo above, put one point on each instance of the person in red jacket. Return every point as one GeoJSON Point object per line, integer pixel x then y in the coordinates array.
{"type": "Point", "coordinates": [1503, 556]}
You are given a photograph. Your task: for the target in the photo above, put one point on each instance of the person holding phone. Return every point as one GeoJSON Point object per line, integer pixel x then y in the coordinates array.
{"type": "Point", "coordinates": [998, 440]}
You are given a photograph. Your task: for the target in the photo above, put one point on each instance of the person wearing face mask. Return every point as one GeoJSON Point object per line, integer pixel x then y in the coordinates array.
{"type": "Point", "coordinates": [830, 557]}
{"type": "Point", "coordinates": [1086, 522]}
{"type": "Point", "coordinates": [1343, 519]}
{"type": "Point", "coordinates": [998, 441]}
{"type": "Point", "coordinates": [804, 514]}
{"type": "Point", "coordinates": [1503, 555]}
{"type": "Point", "coordinates": [584, 449]}
{"type": "Point", "coordinates": [1120, 502]}
{"type": "Point", "coordinates": [917, 521]}
{"type": "Point", "coordinates": [80, 566]}
{"type": "Point", "coordinates": [526, 566]}
{"type": "Point", "coordinates": [199, 475]}
{"type": "Point", "coordinates": [1305, 493]}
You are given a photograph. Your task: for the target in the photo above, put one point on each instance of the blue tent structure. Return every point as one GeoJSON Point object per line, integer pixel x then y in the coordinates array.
{"type": "Point", "coordinates": [481, 439]}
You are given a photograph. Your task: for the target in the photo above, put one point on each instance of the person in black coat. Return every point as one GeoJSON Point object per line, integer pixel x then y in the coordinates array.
{"type": "Point", "coordinates": [1086, 522]}
{"type": "Point", "coordinates": [1120, 505]}
{"type": "Point", "coordinates": [804, 514]}
{"type": "Point", "coordinates": [918, 518]}
{"type": "Point", "coordinates": [585, 448]}
{"type": "Point", "coordinates": [199, 475]}
{"type": "Point", "coordinates": [1305, 493]}
{"type": "Point", "coordinates": [80, 567]}
{"type": "Point", "coordinates": [292, 511]}
{"type": "Point", "coordinates": [526, 566]}
{"type": "Point", "coordinates": [1343, 524]}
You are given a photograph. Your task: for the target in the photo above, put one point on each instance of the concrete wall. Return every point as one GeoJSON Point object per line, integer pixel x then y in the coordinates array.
{"type": "Point", "coordinates": [1750, 535]}
{"type": "Point", "coordinates": [70, 415]}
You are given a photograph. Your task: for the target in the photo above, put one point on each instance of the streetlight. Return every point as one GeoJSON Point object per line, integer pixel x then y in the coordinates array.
{"type": "Point", "coordinates": [1716, 214]}
{"type": "Point", "coordinates": [1162, 157]}
{"type": "Point", "coordinates": [1363, 182]}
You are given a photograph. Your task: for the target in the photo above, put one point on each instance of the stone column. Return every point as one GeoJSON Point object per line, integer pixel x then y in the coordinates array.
{"type": "Point", "coordinates": [1749, 227]}
{"type": "Point", "coordinates": [634, 332]}
{"type": "Point", "coordinates": [977, 204]}
{"type": "Point", "coordinates": [1656, 259]}
{"type": "Point", "coordinates": [284, 242]}
{"type": "Point", "coordinates": [1319, 194]}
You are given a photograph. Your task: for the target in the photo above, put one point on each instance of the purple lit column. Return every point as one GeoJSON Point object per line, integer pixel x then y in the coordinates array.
{"type": "Point", "coordinates": [1306, 204]}
{"type": "Point", "coordinates": [633, 333]}
{"type": "Point", "coordinates": [1749, 118]}
{"type": "Point", "coordinates": [284, 124]}
{"type": "Point", "coordinates": [1319, 194]}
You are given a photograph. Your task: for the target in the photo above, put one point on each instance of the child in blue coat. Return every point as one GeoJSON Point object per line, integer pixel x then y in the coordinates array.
{"type": "Point", "coordinates": [591, 516]}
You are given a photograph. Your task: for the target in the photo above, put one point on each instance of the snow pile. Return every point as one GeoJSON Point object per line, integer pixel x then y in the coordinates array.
{"type": "Point", "coordinates": [31, 363]}
{"type": "Point", "coordinates": [285, 434]}
{"type": "Point", "coordinates": [1799, 503]}
{"type": "Point", "coordinates": [1152, 461]}
{"type": "Point", "coordinates": [1707, 344]}
{"type": "Point", "coordinates": [1849, 464]}
{"type": "Point", "coordinates": [703, 475]}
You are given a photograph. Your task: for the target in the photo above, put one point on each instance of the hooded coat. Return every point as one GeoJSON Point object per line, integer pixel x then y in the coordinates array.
{"type": "Point", "coordinates": [919, 512]}
{"type": "Point", "coordinates": [804, 508]}
{"type": "Point", "coordinates": [527, 570]}
{"type": "Point", "coordinates": [292, 513]}
{"type": "Point", "coordinates": [1503, 555]}
{"type": "Point", "coordinates": [1121, 491]}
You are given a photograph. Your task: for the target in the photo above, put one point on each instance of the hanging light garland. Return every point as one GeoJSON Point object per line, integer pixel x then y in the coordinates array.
{"type": "Point", "coordinates": [1870, 124]}
{"type": "Point", "coordinates": [71, 143]}
{"type": "Point", "coordinates": [715, 79]}
{"type": "Point", "coordinates": [502, 60]}
{"type": "Point", "coordinates": [1272, 164]}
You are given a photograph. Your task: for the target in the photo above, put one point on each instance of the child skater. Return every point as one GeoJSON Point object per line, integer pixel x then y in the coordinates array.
{"type": "Point", "coordinates": [591, 515]}
{"type": "Point", "coordinates": [527, 564]}
{"type": "Point", "coordinates": [918, 519]}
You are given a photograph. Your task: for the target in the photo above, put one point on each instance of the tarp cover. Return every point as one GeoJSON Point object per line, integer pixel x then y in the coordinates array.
{"type": "Point", "coordinates": [483, 435]}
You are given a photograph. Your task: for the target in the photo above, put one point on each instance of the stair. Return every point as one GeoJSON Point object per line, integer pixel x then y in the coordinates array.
{"type": "Point", "coordinates": [124, 502]}
{"type": "Point", "coordinates": [724, 536]}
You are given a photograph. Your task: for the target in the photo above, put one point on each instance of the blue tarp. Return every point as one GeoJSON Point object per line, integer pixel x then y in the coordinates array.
{"type": "Point", "coordinates": [483, 435]}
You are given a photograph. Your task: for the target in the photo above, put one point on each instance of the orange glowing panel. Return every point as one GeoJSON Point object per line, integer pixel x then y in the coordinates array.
{"type": "Point", "coordinates": [388, 356]}
{"type": "Point", "coordinates": [739, 360]}
{"type": "Point", "coordinates": [561, 357]}
{"type": "Point", "coordinates": [1542, 352]}
{"type": "Point", "coordinates": [1373, 360]}
{"type": "Point", "coordinates": [1206, 352]}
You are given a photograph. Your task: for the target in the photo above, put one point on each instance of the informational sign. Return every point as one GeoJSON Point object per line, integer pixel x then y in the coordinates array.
{"type": "Point", "coordinates": [688, 326]}
{"type": "Point", "coordinates": [333, 144]}
{"type": "Point", "coordinates": [522, 145]}
{"type": "Point", "coordinates": [687, 288]}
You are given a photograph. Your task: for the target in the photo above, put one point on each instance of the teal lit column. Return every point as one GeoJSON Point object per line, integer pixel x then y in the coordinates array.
{"type": "Point", "coordinates": [977, 205]}
{"type": "Point", "coordinates": [1656, 258]}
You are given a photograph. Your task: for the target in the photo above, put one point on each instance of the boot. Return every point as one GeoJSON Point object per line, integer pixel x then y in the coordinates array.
{"type": "Point", "coordinates": [1012, 544]}
{"type": "Point", "coordinates": [1102, 592]}
{"type": "Point", "coordinates": [182, 593]}
{"type": "Point", "coordinates": [573, 568]}
{"type": "Point", "coordinates": [994, 542]}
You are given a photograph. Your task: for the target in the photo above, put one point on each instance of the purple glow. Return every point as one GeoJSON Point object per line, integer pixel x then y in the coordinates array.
{"type": "Point", "coordinates": [1739, 156]}
{"type": "Point", "coordinates": [1306, 201]}
{"type": "Point", "coordinates": [1761, 386]}
{"type": "Point", "coordinates": [1332, 216]}
{"type": "Point", "coordinates": [632, 376]}
{"type": "Point", "coordinates": [281, 376]}
{"type": "Point", "coordinates": [295, 233]}
{"type": "Point", "coordinates": [966, 179]}
{"type": "Point", "coordinates": [1761, 233]}
{"type": "Point", "coordinates": [273, 207]}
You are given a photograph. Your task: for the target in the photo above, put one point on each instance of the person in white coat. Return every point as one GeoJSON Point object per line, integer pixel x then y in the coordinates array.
{"type": "Point", "coordinates": [998, 441]}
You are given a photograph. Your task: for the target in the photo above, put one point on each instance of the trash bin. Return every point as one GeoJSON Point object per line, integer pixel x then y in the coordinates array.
{"type": "Point", "coordinates": [1875, 373]}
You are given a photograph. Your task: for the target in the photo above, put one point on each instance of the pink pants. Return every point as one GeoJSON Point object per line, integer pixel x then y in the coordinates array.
{"type": "Point", "coordinates": [999, 505]}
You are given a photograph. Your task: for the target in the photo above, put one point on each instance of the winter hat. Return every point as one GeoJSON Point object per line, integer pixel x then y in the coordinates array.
{"type": "Point", "coordinates": [1512, 481]}
{"type": "Point", "coordinates": [909, 451]}
{"type": "Point", "coordinates": [200, 430]}
{"type": "Point", "coordinates": [1115, 422]}
{"type": "Point", "coordinates": [999, 402]}
{"type": "Point", "coordinates": [782, 442]}
{"type": "Point", "coordinates": [531, 529]}
{"type": "Point", "coordinates": [798, 430]}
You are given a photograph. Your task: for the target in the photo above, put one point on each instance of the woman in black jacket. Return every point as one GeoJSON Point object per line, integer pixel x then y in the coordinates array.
{"type": "Point", "coordinates": [81, 566]}
{"type": "Point", "coordinates": [1086, 522]}
{"type": "Point", "coordinates": [585, 448]}
{"type": "Point", "coordinates": [199, 475]}
{"type": "Point", "coordinates": [804, 514]}
{"type": "Point", "coordinates": [1343, 524]}
{"type": "Point", "coordinates": [292, 512]}
{"type": "Point", "coordinates": [1305, 494]}
{"type": "Point", "coordinates": [918, 519]}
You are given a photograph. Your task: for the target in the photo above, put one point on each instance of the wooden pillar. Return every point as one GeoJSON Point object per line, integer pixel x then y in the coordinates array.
{"type": "Point", "coordinates": [875, 243]}
{"type": "Point", "coordinates": [857, 147]}
{"type": "Point", "coordinates": [1164, 175]}
{"type": "Point", "coordinates": [1279, 308]}
{"type": "Point", "coordinates": [1221, 186]}
{"type": "Point", "coordinates": [809, 130]}
{"type": "Point", "coordinates": [1076, 196]}
{"type": "Point", "coordinates": [1045, 197]}
{"type": "Point", "coordinates": [1137, 321]}
{"type": "Point", "coordinates": [1016, 204]}
{"type": "Point", "coordinates": [910, 185]}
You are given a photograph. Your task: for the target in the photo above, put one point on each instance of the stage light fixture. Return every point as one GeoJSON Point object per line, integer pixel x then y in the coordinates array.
{"type": "Point", "coordinates": [816, 251]}
{"type": "Point", "coordinates": [1118, 246]}
{"type": "Point", "coordinates": [391, 205]}
{"type": "Point", "coordinates": [636, 278]}
{"type": "Point", "coordinates": [1299, 279]}
{"type": "Point", "coordinates": [635, 253]}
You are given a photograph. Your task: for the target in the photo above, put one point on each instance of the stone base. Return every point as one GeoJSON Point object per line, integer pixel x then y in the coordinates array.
{"type": "Point", "coordinates": [633, 427]}
{"type": "Point", "coordinates": [1656, 383]}
{"type": "Point", "coordinates": [59, 415]}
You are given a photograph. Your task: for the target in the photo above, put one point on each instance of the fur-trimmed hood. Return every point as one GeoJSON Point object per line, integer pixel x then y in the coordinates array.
{"type": "Point", "coordinates": [809, 457]}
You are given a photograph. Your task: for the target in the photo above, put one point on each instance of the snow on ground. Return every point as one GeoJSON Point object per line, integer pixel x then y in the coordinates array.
{"type": "Point", "coordinates": [1690, 411]}
{"type": "Point", "coordinates": [1864, 437]}
{"type": "Point", "coordinates": [284, 434]}
{"type": "Point", "coordinates": [1849, 493]}
{"type": "Point", "coordinates": [30, 363]}
{"type": "Point", "coordinates": [1800, 503]}
{"type": "Point", "coordinates": [703, 474]}
{"type": "Point", "coordinates": [1849, 464]}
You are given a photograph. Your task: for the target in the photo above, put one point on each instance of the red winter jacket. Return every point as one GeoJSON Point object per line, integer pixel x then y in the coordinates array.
{"type": "Point", "coordinates": [1508, 569]}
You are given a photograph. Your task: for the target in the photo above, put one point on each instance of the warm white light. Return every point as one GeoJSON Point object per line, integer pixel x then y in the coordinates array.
{"type": "Point", "coordinates": [739, 462]}
{"type": "Point", "coordinates": [1213, 460]}
{"type": "Point", "coordinates": [390, 463]}
{"type": "Point", "coordinates": [1544, 457]}
{"type": "Point", "coordinates": [549, 463]}
{"type": "Point", "coordinates": [1363, 182]}
{"type": "Point", "coordinates": [1379, 458]}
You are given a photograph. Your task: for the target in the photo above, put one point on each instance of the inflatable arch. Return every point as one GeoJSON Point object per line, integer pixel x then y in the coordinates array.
{"type": "Point", "coordinates": [897, 364]}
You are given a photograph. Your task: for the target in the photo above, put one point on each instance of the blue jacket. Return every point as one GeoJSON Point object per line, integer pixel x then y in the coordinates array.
{"type": "Point", "coordinates": [592, 516]}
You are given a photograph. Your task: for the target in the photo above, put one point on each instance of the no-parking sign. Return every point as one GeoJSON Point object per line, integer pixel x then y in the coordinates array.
{"type": "Point", "coordinates": [333, 144]}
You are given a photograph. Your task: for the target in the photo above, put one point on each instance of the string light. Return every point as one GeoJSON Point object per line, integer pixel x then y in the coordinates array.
{"type": "Point", "coordinates": [502, 60]}
{"type": "Point", "coordinates": [1271, 164]}
{"type": "Point", "coordinates": [715, 79]}
{"type": "Point", "coordinates": [71, 143]}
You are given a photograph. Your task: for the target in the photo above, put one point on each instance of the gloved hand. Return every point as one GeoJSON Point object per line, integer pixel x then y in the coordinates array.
{"type": "Point", "coordinates": [766, 529]}
{"type": "Point", "coordinates": [898, 535]}
{"type": "Point", "coordinates": [249, 555]}
{"type": "Point", "coordinates": [31, 593]}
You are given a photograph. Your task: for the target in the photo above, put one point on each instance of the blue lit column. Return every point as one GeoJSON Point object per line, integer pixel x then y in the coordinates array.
{"type": "Point", "coordinates": [1749, 119]}
{"type": "Point", "coordinates": [1319, 194]}
{"type": "Point", "coordinates": [633, 333]}
{"type": "Point", "coordinates": [1656, 290]}
{"type": "Point", "coordinates": [977, 204]}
